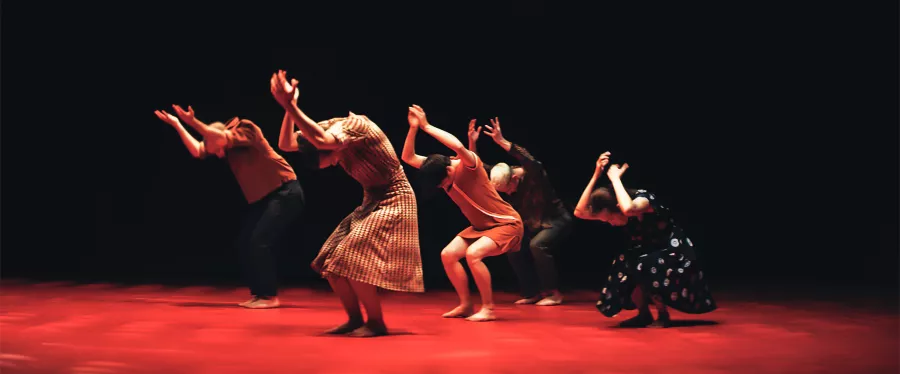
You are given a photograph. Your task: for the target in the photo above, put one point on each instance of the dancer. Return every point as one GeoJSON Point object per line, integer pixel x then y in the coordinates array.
{"type": "Point", "coordinates": [496, 227]}
{"type": "Point", "coordinates": [269, 185]}
{"type": "Point", "coordinates": [660, 265]}
{"type": "Point", "coordinates": [547, 221]}
{"type": "Point", "coordinates": [377, 245]}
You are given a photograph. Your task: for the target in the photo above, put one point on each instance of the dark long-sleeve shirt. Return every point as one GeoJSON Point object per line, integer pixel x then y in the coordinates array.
{"type": "Point", "coordinates": [535, 198]}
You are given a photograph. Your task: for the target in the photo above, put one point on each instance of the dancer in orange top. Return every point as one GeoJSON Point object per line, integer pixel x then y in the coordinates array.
{"type": "Point", "coordinates": [496, 227]}
{"type": "Point", "coordinates": [269, 185]}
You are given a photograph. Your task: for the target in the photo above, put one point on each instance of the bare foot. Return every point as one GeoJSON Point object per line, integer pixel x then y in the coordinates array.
{"type": "Point", "coordinates": [368, 331]}
{"type": "Point", "coordinates": [262, 303]}
{"type": "Point", "coordinates": [461, 311]}
{"type": "Point", "coordinates": [347, 327]}
{"type": "Point", "coordinates": [528, 301]}
{"type": "Point", "coordinates": [483, 315]}
{"type": "Point", "coordinates": [551, 300]}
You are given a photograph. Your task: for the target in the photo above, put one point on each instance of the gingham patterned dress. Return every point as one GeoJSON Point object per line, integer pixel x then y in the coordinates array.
{"type": "Point", "coordinates": [378, 243]}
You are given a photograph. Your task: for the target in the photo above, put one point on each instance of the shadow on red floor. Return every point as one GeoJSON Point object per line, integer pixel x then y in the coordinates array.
{"type": "Point", "coordinates": [102, 328]}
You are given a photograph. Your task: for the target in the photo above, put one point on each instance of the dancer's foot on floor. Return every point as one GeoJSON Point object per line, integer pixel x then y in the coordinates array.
{"type": "Point", "coordinates": [483, 315]}
{"type": "Point", "coordinates": [641, 320]}
{"type": "Point", "coordinates": [370, 330]}
{"type": "Point", "coordinates": [552, 300]}
{"type": "Point", "coordinates": [262, 303]}
{"type": "Point", "coordinates": [662, 321]}
{"type": "Point", "coordinates": [461, 311]}
{"type": "Point", "coordinates": [529, 300]}
{"type": "Point", "coordinates": [346, 328]}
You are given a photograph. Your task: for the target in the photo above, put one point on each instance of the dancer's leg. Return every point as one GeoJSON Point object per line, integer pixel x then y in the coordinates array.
{"type": "Point", "coordinates": [642, 300]}
{"type": "Point", "coordinates": [368, 294]}
{"type": "Point", "coordinates": [527, 275]}
{"type": "Point", "coordinates": [279, 211]}
{"type": "Point", "coordinates": [342, 288]}
{"type": "Point", "coordinates": [662, 313]}
{"type": "Point", "coordinates": [542, 246]}
{"type": "Point", "coordinates": [450, 256]}
{"type": "Point", "coordinates": [483, 247]}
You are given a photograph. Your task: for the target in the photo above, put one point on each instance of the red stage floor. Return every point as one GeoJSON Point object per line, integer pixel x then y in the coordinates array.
{"type": "Point", "coordinates": [62, 328]}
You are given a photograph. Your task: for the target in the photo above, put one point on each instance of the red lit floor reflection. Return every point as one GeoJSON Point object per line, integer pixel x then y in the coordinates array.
{"type": "Point", "coordinates": [63, 328]}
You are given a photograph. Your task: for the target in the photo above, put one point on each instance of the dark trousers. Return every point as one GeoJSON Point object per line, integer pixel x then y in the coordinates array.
{"type": "Point", "coordinates": [535, 267]}
{"type": "Point", "coordinates": [264, 227]}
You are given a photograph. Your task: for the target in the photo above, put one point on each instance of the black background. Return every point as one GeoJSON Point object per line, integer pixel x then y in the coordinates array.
{"type": "Point", "coordinates": [772, 132]}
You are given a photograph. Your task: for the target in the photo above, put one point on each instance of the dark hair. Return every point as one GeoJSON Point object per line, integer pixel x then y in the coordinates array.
{"type": "Point", "coordinates": [605, 198]}
{"type": "Point", "coordinates": [433, 171]}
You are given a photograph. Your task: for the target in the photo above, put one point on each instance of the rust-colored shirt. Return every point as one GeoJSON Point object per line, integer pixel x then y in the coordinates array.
{"type": "Point", "coordinates": [471, 190]}
{"type": "Point", "coordinates": [256, 166]}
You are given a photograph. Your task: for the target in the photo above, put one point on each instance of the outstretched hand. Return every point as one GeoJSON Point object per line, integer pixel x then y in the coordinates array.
{"type": "Point", "coordinates": [603, 161]}
{"type": "Point", "coordinates": [167, 118]}
{"type": "Point", "coordinates": [416, 117]}
{"type": "Point", "coordinates": [474, 133]}
{"type": "Point", "coordinates": [283, 91]}
{"type": "Point", "coordinates": [494, 131]}
{"type": "Point", "coordinates": [186, 116]}
{"type": "Point", "coordinates": [615, 171]}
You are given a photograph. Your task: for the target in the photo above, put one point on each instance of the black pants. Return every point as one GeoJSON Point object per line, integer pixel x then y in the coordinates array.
{"type": "Point", "coordinates": [264, 227]}
{"type": "Point", "coordinates": [535, 267]}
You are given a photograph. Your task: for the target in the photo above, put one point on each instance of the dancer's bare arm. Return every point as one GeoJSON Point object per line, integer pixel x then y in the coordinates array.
{"type": "Point", "coordinates": [467, 157]}
{"type": "Point", "coordinates": [409, 155]}
{"type": "Point", "coordinates": [474, 133]}
{"type": "Point", "coordinates": [193, 146]}
{"type": "Point", "coordinates": [287, 139]}
{"type": "Point", "coordinates": [583, 209]}
{"type": "Point", "coordinates": [629, 206]}
{"type": "Point", "coordinates": [188, 117]}
{"type": "Point", "coordinates": [284, 93]}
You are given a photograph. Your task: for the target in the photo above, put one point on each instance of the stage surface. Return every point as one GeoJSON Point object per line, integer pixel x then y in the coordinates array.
{"type": "Point", "coordinates": [105, 328]}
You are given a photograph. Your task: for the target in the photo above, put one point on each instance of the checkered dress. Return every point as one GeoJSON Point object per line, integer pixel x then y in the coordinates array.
{"type": "Point", "coordinates": [378, 243]}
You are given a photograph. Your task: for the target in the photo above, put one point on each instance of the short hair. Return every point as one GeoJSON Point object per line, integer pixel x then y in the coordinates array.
{"type": "Point", "coordinates": [433, 170]}
{"type": "Point", "coordinates": [501, 174]}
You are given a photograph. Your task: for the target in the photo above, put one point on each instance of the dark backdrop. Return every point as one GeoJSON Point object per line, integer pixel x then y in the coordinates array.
{"type": "Point", "coordinates": [772, 133]}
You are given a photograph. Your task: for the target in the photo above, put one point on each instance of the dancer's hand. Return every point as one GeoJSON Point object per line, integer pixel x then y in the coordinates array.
{"type": "Point", "coordinates": [186, 116]}
{"type": "Point", "coordinates": [416, 117]}
{"type": "Point", "coordinates": [283, 91]}
{"type": "Point", "coordinates": [494, 131]}
{"type": "Point", "coordinates": [473, 132]}
{"type": "Point", "coordinates": [167, 118]}
{"type": "Point", "coordinates": [296, 91]}
{"type": "Point", "coordinates": [602, 161]}
{"type": "Point", "coordinates": [615, 171]}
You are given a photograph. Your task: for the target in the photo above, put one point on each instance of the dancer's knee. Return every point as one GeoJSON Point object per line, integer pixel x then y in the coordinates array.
{"type": "Point", "coordinates": [538, 248]}
{"type": "Point", "coordinates": [474, 256]}
{"type": "Point", "coordinates": [449, 255]}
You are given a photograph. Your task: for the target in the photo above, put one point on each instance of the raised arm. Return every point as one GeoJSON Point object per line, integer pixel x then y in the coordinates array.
{"type": "Point", "coordinates": [287, 138]}
{"type": "Point", "coordinates": [629, 206]}
{"type": "Point", "coordinates": [467, 157]}
{"type": "Point", "coordinates": [193, 146]}
{"type": "Point", "coordinates": [409, 155]}
{"type": "Point", "coordinates": [517, 151]}
{"type": "Point", "coordinates": [473, 136]}
{"type": "Point", "coordinates": [284, 93]}
{"type": "Point", "coordinates": [583, 209]}
{"type": "Point", "coordinates": [188, 117]}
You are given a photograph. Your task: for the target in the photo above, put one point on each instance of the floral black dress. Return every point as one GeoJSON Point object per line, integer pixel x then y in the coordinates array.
{"type": "Point", "coordinates": [662, 260]}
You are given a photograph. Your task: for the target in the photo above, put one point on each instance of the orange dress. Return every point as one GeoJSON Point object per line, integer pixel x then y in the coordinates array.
{"type": "Point", "coordinates": [488, 213]}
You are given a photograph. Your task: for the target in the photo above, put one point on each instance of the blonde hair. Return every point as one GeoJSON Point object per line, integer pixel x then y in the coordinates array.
{"type": "Point", "coordinates": [501, 174]}
{"type": "Point", "coordinates": [325, 125]}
